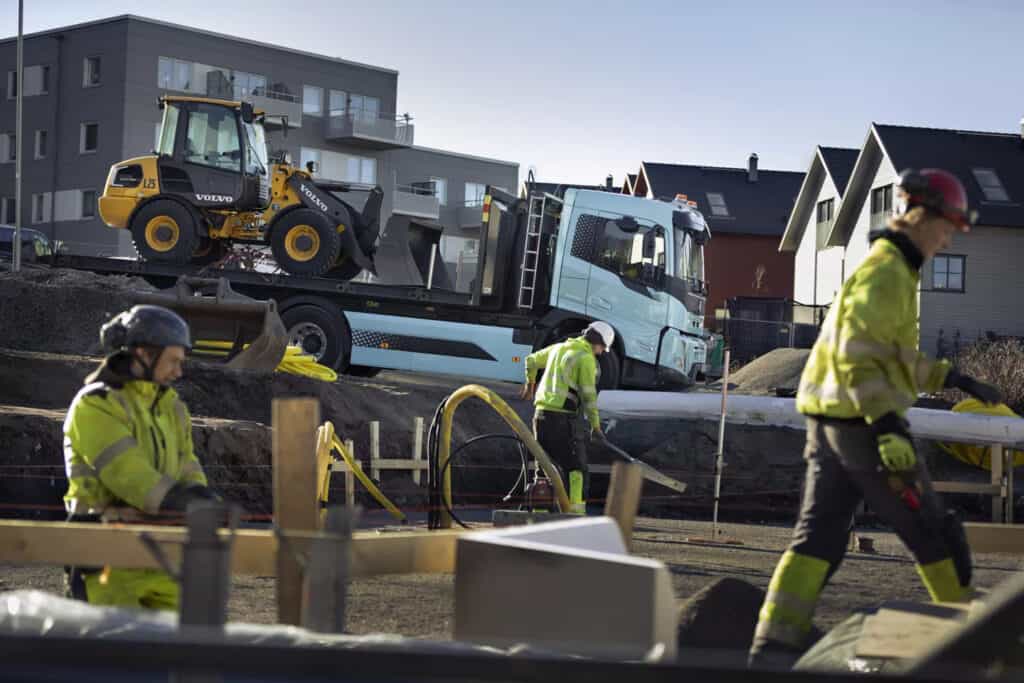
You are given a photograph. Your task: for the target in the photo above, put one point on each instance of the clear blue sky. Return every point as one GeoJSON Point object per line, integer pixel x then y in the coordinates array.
{"type": "Point", "coordinates": [580, 89]}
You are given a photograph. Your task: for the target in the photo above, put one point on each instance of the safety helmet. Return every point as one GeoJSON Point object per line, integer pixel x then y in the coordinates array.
{"type": "Point", "coordinates": [937, 190]}
{"type": "Point", "coordinates": [145, 325]}
{"type": "Point", "coordinates": [604, 330]}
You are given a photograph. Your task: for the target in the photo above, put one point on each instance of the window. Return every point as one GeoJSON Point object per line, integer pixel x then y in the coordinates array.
{"type": "Point", "coordinates": [174, 74]}
{"type": "Point", "coordinates": [475, 194]}
{"type": "Point", "coordinates": [825, 211]}
{"type": "Point", "coordinates": [212, 81]}
{"type": "Point", "coordinates": [717, 202]}
{"type": "Point", "coordinates": [440, 190]}
{"type": "Point", "coordinates": [623, 252]}
{"type": "Point", "coordinates": [37, 81]}
{"type": "Point", "coordinates": [91, 72]}
{"type": "Point", "coordinates": [312, 100]}
{"type": "Point", "coordinates": [41, 207]}
{"type": "Point", "coordinates": [212, 138]}
{"type": "Point", "coordinates": [12, 84]}
{"type": "Point", "coordinates": [156, 136]}
{"type": "Point", "coordinates": [88, 208]}
{"type": "Point", "coordinates": [361, 170]}
{"type": "Point", "coordinates": [365, 107]}
{"type": "Point", "coordinates": [8, 210]}
{"type": "Point", "coordinates": [337, 103]}
{"type": "Point", "coordinates": [247, 84]}
{"type": "Point", "coordinates": [9, 142]}
{"type": "Point", "coordinates": [307, 154]}
{"type": "Point", "coordinates": [689, 257]}
{"type": "Point", "coordinates": [990, 184]}
{"type": "Point", "coordinates": [881, 206]}
{"type": "Point", "coordinates": [88, 138]}
{"type": "Point", "coordinates": [43, 83]}
{"type": "Point", "coordinates": [40, 144]}
{"type": "Point", "coordinates": [948, 273]}
{"type": "Point", "coordinates": [168, 130]}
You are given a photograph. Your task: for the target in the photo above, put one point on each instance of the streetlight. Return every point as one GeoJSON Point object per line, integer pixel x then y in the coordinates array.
{"type": "Point", "coordinates": [16, 246]}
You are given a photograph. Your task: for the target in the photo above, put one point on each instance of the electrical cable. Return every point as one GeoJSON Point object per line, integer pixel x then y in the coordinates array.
{"type": "Point", "coordinates": [470, 442]}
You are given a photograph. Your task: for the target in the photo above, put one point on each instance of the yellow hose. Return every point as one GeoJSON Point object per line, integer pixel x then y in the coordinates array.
{"type": "Point", "coordinates": [499, 406]}
{"type": "Point", "coordinates": [327, 435]}
{"type": "Point", "coordinates": [295, 361]}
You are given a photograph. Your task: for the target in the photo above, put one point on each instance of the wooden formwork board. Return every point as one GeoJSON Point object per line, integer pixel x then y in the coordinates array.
{"type": "Point", "coordinates": [985, 537]}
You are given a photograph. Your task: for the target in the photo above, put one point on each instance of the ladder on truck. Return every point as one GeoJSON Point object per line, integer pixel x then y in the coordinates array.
{"type": "Point", "coordinates": [531, 251]}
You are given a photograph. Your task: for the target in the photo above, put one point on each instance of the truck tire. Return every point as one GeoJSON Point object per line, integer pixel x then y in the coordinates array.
{"type": "Point", "coordinates": [611, 369]}
{"type": "Point", "coordinates": [165, 231]}
{"type": "Point", "coordinates": [304, 243]}
{"type": "Point", "coordinates": [320, 332]}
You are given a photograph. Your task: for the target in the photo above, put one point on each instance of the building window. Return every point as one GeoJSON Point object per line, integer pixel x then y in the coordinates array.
{"type": "Point", "coordinates": [174, 74]}
{"type": "Point", "coordinates": [364, 107]}
{"type": "Point", "coordinates": [88, 209]}
{"type": "Point", "coordinates": [361, 170]}
{"type": "Point", "coordinates": [247, 84]}
{"type": "Point", "coordinates": [8, 209]}
{"type": "Point", "coordinates": [9, 142]}
{"type": "Point", "coordinates": [12, 84]}
{"type": "Point", "coordinates": [475, 194]}
{"type": "Point", "coordinates": [948, 273]}
{"type": "Point", "coordinates": [825, 211]}
{"type": "Point", "coordinates": [41, 207]}
{"type": "Point", "coordinates": [312, 100]}
{"type": "Point", "coordinates": [88, 138]}
{"type": "Point", "coordinates": [308, 154]}
{"type": "Point", "coordinates": [881, 206]}
{"type": "Point", "coordinates": [440, 190]}
{"type": "Point", "coordinates": [337, 102]}
{"type": "Point", "coordinates": [37, 81]}
{"type": "Point", "coordinates": [91, 72]}
{"type": "Point", "coordinates": [717, 202]}
{"type": "Point", "coordinates": [40, 146]}
{"type": "Point", "coordinates": [990, 185]}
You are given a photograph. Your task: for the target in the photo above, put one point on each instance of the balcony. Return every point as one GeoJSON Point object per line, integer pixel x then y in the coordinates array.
{"type": "Point", "coordinates": [471, 214]}
{"type": "Point", "coordinates": [371, 131]}
{"type": "Point", "coordinates": [277, 105]}
{"type": "Point", "coordinates": [416, 201]}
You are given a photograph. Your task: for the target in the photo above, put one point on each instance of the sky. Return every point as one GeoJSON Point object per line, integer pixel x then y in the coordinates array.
{"type": "Point", "coordinates": [577, 90]}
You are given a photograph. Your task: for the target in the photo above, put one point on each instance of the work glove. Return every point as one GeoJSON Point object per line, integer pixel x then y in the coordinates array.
{"type": "Point", "coordinates": [982, 391]}
{"type": "Point", "coordinates": [180, 495]}
{"type": "Point", "coordinates": [895, 447]}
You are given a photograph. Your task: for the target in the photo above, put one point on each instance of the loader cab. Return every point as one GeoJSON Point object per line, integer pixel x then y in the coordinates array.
{"type": "Point", "coordinates": [214, 153]}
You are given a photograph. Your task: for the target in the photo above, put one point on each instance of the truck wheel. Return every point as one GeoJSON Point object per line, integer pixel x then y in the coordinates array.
{"type": "Point", "coordinates": [165, 231]}
{"type": "Point", "coordinates": [303, 243]}
{"type": "Point", "coordinates": [321, 333]}
{"type": "Point", "coordinates": [209, 251]}
{"type": "Point", "coordinates": [610, 371]}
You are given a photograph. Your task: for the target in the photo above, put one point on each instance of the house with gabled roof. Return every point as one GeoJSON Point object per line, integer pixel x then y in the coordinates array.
{"type": "Point", "coordinates": [629, 183]}
{"type": "Point", "coordinates": [746, 209]}
{"type": "Point", "coordinates": [819, 270]}
{"type": "Point", "coordinates": [974, 288]}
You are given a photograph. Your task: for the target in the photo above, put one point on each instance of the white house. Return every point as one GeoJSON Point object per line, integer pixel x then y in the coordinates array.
{"type": "Point", "coordinates": [819, 269]}
{"type": "Point", "coordinates": [977, 286]}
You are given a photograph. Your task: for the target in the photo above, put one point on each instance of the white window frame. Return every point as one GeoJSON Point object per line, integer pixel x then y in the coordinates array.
{"type": "Point", "coordinates": [10, 144]}
{"type": "Point", "coordinates": [82, 204]}
{"type": "Point", "coordinates": [320, 100]}
{"type": "Point", "coordinates": [40, 208]}
{"type": "Point", "coordinates": [86, 83]}
{"type": "Point", "coordinates": [40, 134]}
{"type": "Point", "coordinates": [466, 200]}
{"type": "Point", "coordinates": [440, 190]}
{"type": "Point", "coordinates": [947, 259]}
{"type": "Point", "coordinates": [82, 136]}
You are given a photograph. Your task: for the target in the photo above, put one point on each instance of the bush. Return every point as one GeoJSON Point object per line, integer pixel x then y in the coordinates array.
{"type": "Point", "coordinates": [997, 362]}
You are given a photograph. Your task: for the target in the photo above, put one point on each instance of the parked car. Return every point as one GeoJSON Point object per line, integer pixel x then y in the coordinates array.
{"type": "Point", "coordinates": [35, 246]}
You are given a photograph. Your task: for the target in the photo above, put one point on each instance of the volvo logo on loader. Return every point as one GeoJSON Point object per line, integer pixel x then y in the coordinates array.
{"type": "Point", "coordinates": [313, 198]}
{"type": "Point", "coordinates": [220, 198]}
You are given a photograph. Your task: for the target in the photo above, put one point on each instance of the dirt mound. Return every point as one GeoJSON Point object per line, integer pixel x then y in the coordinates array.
{"type": "Point", "coordinates": [61, 310]}
{"type": "Point", "coordinates": [778, 369]}
{"type": "Point", "coordinates": [721, 616]}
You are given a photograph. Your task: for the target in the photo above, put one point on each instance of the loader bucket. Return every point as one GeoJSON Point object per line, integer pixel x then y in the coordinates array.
{"type": "Point", "coordinates": [404, 253]}
{"type": "Point", "coordinates": [245, 333]}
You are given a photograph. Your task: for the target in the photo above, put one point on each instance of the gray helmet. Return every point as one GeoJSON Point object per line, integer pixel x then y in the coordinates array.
{"type": "Point", "coordinates": [145, 326]}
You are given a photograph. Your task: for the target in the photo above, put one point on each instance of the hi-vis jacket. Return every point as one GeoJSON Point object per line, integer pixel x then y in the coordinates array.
{"type": "Point", "coordinates": [865, 362]}
{"type": "Point", "coordinates": [570, 378]}
{"type": "Point", "coordinates": [126, 442]}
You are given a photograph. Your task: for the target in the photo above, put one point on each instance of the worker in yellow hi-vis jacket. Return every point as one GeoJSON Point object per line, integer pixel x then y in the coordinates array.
{"type": "Point", "coordinates": [863, 373]}
{"type": "Point", "coordinates": [567, 387]}
{"type": "Point", "coordinates": [128, 449]}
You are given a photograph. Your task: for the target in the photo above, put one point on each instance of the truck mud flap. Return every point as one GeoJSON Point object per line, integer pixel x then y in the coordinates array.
{"type": "Point", "coordinates": [245, 333]}
{"type": "Point", "coordinates": [403, 254]}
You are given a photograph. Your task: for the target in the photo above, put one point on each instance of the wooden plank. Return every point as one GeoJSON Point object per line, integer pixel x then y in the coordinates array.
{"type": "Point", "coordinates": [966, 487]}
{"type": "Point", "coordinates": [254, 551]}
{"type": "Point", "coordinates": [623, 498]}
{"type": "Point", "coordinates": [650, 474]}
{"type": "Point", "coordinates": [990, 537]}
{"type": "Point", "coordinates": [388, 464]}
{"type": "Point", "coordinates": [350, 478]}
{"type": "Point", "coordinates": [417, 442]}
{"type": "Point", "coordinates": [997, 480]}
{"type": "Point", "coordinates": [296, 503]}
{"type": "Point", "coordinates": [375, 449]}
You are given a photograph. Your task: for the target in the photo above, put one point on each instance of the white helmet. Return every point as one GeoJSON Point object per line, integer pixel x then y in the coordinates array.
{"type": "Point", "coordinates": [603, 329]}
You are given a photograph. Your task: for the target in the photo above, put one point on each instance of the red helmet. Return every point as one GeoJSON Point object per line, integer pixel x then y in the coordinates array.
{"type": "Point", "coordinates": [939, 191]}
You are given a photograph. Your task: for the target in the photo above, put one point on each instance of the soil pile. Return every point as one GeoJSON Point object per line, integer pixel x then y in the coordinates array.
{"type": "Point", "coordinates": [778, 369]}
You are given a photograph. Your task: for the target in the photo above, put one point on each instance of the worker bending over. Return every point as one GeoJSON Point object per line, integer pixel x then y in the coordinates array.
{"type": "Point", "coordinates": [863, 373]}
{"type": "Point", "coordinates": [568, 385]}
{"type": "Point", "coordinates": [128, 449]}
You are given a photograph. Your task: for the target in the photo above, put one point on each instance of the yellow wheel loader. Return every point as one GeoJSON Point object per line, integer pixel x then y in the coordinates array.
{"type": "Point", "coordinates": [210, 184]}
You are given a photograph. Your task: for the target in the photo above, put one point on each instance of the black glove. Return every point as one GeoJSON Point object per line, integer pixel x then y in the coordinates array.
{"type": "Point", "coordinates": [983, 391]}
{"type": "Point", "coordinates": [180, 495]}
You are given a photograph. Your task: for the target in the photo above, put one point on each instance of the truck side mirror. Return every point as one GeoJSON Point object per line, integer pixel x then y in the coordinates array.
{"type": "Point", "coordinates": [649, 243]}
{"type": "Point", "coordinates": [311, 166]}
{"type": "Point", "coordinates": [248, 115]}
{"type": "Point", "coordinates": [627, 224]}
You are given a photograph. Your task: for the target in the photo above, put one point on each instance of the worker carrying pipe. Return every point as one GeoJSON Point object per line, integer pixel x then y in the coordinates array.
{"type": "Point", "coordinates": [128, 450]}
{"type": "Point", "coordinates": [862, 375]}
{"type": "Point", "coordinates": [567, 387]}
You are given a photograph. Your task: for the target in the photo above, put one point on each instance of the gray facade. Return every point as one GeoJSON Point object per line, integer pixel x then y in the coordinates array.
{"type": "Point", "coordinates": [339, 113]}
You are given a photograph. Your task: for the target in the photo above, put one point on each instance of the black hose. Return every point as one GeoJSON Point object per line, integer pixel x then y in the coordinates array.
{"type": "Point", "coordinates": [475, 439]}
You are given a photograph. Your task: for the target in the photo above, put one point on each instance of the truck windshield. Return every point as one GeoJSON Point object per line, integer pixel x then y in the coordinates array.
{"type": "Point", "coordinates": [256, 141]}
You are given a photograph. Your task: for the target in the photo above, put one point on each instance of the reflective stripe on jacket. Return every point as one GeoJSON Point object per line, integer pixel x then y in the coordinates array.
{"type": "Point", "coordinates": [865, 362]}
{"type": "Point", "coordinates": [127, 446]}
{"type": "Point", "coordinates": [570, 367]}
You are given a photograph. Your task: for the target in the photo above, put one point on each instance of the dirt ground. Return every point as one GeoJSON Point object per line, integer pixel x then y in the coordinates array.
{"type": "Point", "coordinates": [423, 605]}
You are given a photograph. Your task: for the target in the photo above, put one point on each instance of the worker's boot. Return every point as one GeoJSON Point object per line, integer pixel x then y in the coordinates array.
{"type": "Point", "coordinates": [943, 582]}
{"type": "Point", "coordinates": [577, 505]}
{"type": "Point", "coordinates": [775, 656]}
{"type": "Point", "coordinates": [784, 622]}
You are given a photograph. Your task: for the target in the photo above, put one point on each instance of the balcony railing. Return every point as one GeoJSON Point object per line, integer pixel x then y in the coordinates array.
{"type": "Point", "coordinates": [416, 200]}
{"type": "Point", "coordinates": [376, 131]}
{"type": "Point", "coordinates": [471, 213]}
{"type": "Point", "coordinates": [275, 103]}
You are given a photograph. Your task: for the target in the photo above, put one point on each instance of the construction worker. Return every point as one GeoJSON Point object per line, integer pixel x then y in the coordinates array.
{"type": "Point", "coordinates": [862, 375]}
{"type": "Point", "coordinates": [567, 387]}
{"type": "Point", "coordinates": [128, 449]}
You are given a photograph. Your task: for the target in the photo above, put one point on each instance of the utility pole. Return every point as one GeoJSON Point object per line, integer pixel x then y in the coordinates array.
{"type": "Point", "coordinates": [16, 246]}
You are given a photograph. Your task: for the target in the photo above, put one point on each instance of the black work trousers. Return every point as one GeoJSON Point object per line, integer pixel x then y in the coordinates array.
{"type": "Point", "coordinates": [843, 468]}
{"type": "Point", "coordinates": [560, 437]}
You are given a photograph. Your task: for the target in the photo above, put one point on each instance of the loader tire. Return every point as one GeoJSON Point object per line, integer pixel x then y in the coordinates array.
{"type": "Point", "coordinates": [165, 231]}
{"type": "Point", "coordinates": [320, 332]}
{"type": "Point", "coordinates": [304, 243]}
